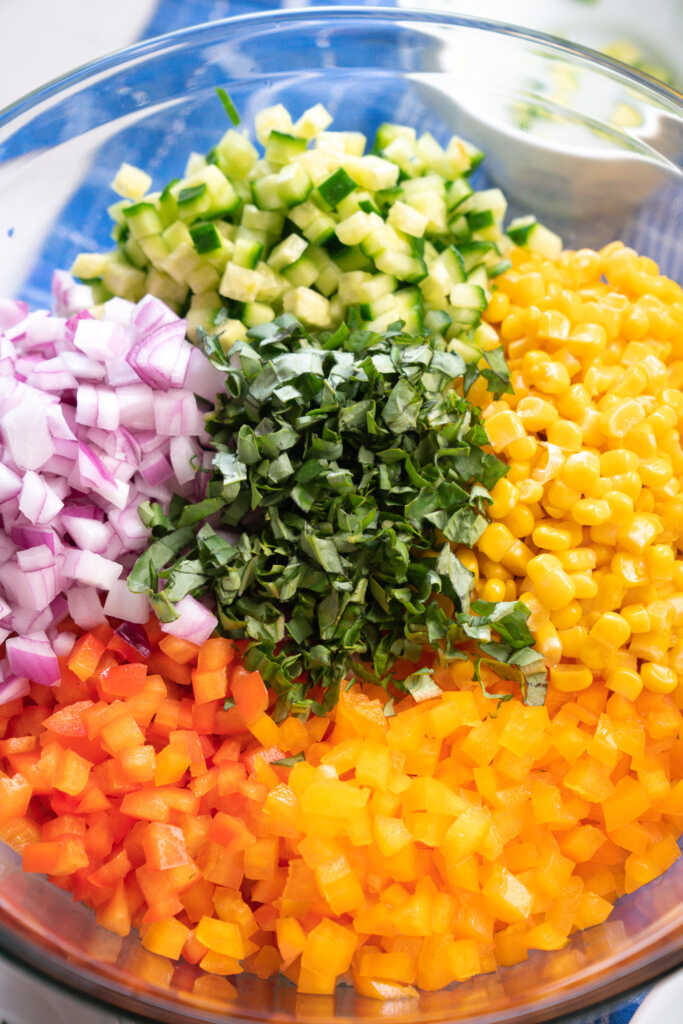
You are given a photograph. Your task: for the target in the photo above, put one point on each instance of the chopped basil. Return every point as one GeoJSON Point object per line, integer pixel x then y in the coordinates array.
{"type": "Point", "coordinates": [351, 467]}
{"type": "Point", "coordinates": [228, 105]}
{"type": "Point", "coordinates": [287, 762]}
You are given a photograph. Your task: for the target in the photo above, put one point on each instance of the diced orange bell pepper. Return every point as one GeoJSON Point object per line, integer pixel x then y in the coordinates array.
{"type": "Point", "coordinates": [164, 846]}
{"type": "Point", "coordinates": [85, 656]}
{"type": "Point", "coordinates": [249, 693]}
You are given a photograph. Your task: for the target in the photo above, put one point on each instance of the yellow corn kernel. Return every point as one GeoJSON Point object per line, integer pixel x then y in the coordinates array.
{"type": "Point", "coordinates": [510, 590]}
{"type": "Point", "coordinates": [637, 617]}
{"type": "Point", "coordinates": [565, 434]}
{"type": "Point", "coordinates": [503, 428]}
{"type": "Point", "coordinates": [530, 290]}
{"type": "Point", "coordinates": [496, 541]}
{"type": "Point", "coordinates": [553, 587]}
{"type": "Point", "coordinates": [618, 461]}
{"type": "Point", "coordinates": [578, 559]}
{"type": "Point", "coordinates": [642, 441]}
{"type": "Point", "coordinates": [587, 340]}
{"type": "Point", "coordinates": [660, 559]}
{"type": "Point", "coordinates": [523, 450]}
{"type": "Point", "coordinates": [581, 471]}
{"type": "Point", "coordinates": [551, 537]}
{"type": "Point", "coordinates": [661, 615]}
{"type": "Point", "coordinates": [603, 554]}
{"type": "Point", "coordinates": [498, 307]}
{"type": "Point", "coordinates": [517, 557]}
{"type": "Point", "coordinates": [520, 521]}
{"type": "Point", "coordinates": [632, 383]}
{"type": "Point", "coordinates": [573, 403]}
{"type": "Point", "coordinates": [536, 413]}
{"type": "Point", "coordinates": [656, 472]}
{"type": "Point", "coordinates": [512, 326]}
{"type": "Point", "coordinates": [560, 496]}
{"type": "Point", "coordinates": [572, 640]}
{"type": "Point", "coordinates": [468, 558]}
{"type": "Point", "coordinates": [640, 532]}
{"type": "Point", "coordinates": [553, 326]}
{"type": "Point", "coordinates": [591, 511]}
{"type": "Point", "coordinates": [519, 471]}
{"type": "Point", "coordinates": [548, 642]}
{"type": "Point", "coordinates": [494, 590]}
{"type": "Point", "coordinates": [530, 491]}
{"type": "Point", "coordinates": [570, 678]}
{"type": "Point", "coordinates": [489, 570]}
{"type": "Point", "coordinates": [630, 568]}
{"type": "Point", "coordinates": [611, 629]}
{"type": "Point", "coordinates": [505, 496]}
{"type": "Point", "coordinates": [567, 617]}
{"type": "Point", "coordinates": [606, 533]}
{"type": "Point", "coordinates": [662, 420]}
{"type": "Point", "coordinates": [621, 505]}
{"type": "Point", "coordinates": [585, 587]}
{"type": "Point", "coordinates": [658, 678]}
{"type": "Point", "coordinates": [625, 682]}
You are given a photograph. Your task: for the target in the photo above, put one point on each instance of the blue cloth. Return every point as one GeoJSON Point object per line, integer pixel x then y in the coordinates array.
{"type": "Point", "coordinates": [152, 150]}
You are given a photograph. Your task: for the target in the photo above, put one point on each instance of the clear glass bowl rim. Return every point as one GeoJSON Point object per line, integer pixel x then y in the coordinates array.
{"type": "Point", "coordinates": [105, 991]}
{"type": "Point", "coordinates": [155, 44]}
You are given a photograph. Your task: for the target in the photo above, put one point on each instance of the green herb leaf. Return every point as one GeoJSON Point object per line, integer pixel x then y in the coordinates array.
{"type": "Point", "coordinates": [228, 105]}
{"type": "Point", "coordinates": [287, 762]}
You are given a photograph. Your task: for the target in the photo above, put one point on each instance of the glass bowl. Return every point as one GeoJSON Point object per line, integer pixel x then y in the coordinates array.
{"type": "Point", "coordinates": [589, 146]}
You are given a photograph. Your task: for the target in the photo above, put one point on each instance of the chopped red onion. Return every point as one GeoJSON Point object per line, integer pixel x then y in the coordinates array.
{"type": "Point", "coordinates": [194, 623]}
{"type": "Point", "coordinates": [32, 657]}
{"type": "Point", "coordinates": [85, 607]}
{"type": "Point", "coordinates": [90, 568]}
{"type": "Point", "coordinates": [13, 688]}
{"type": "Point", "coordinates": [122, 604]}
{"type": "Point", "coordinates": [63, 644]}
{"type": "Point", "coordinates": [96, 414]}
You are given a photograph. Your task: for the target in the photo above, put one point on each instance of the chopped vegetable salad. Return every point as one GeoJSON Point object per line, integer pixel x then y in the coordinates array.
{"type": "Point", "coordinates": [342, 584]}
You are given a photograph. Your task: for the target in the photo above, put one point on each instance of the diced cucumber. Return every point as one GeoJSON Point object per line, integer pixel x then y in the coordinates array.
{"type": "Point", "coordinates": [468, 302]}
{"type": "Point", "coordinates": [371, 172]}
{"type": "Point", "coordinates": [263, 220]}
{"type": "Point", "coordinates": [247, 251]}
{"type": "Point", "coordinates": [240, 283]}
{"type": "Point", "coordinates": [352, 143]}
{"type": "Point", "coordinates": [287, 252]}
{"type": "Point", "coordinates": [123, 279]}
{"type": "Point", "coordinates": [308, 306]}
{"type": "Point", "coordinates": [475, 253]}
{"type": "Point", "coordinates": [335, 188]}
{"type": "Point", "coordinates": [181, 262]}
{"type": "Point", "coordinates": [437, 320]}
{"type": "Point", "coordinates": [165, 288]}
{"type": "Point", "coordinates": [282, 148]}
{"type": "Point", "coordinates": [255, 313]}
{"type": "Point", "coordinates": [456, 192]}
{"type": "Point", "coordinates": [235, 155]}
{"type": "Point", "coordinates": [131, 182]}
{"type": "Point", "coordinates": [527, 232]}
{"type": "Point", "coordinates": [402, 265]}
{"type": "Point", "coordinates": [272, 119]}
{"type": "Point", "coordinates": [89, 264]}
{"type": "Point", "coordinates": [303, 273]}
{"type": "Point", "coordinates": [313, 121]}
{"type": "Point", "coordinates": [229, 332]}
{"type": "Point", "coordinates": [195, 163]}
{"type": "Point", "coordinates": [134, 254]}
{"type": "Point", "coordinates": [205, 237]}
{"type": "Point", "coordinates": [351, 258]}
{"type": "Point", "coordinates": [388, 132]}
{"type": "Point", "coordinates": [288, 187]}
{"type": "Point", "coordinates": [142, 220]}
{"type": "Point", "coordinates": [407, 219]}
{"type": "Point", "coordinates": [155, 249]}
